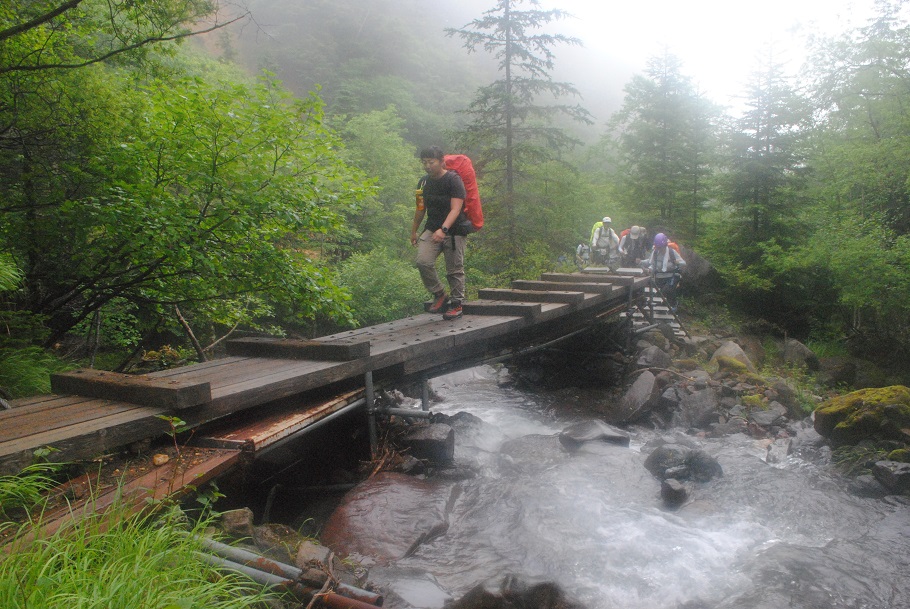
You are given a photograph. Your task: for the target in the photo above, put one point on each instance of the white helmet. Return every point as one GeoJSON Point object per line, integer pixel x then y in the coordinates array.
{"type": "Point", "coordinates": [607, 220]}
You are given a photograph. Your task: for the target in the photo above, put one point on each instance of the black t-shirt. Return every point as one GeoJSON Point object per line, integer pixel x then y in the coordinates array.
{"type": "Point", "coordinates": [437, 197]}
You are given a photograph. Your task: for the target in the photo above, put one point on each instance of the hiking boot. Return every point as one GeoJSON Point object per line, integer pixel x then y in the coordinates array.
{"type": "Point", "coordinates": [453, 313]}
{"type": "Point", "coordinates": [439, 303]}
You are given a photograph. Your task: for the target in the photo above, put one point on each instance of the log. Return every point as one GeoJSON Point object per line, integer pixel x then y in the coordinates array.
{"type": "Point", "coordinates": [532, 295]}
{"type": "Point", "coordinates": [171, 394]}
{"type": "Point", "coordinates": [506, 309]}
{"type": "Point", "coordinates": [560, 286]}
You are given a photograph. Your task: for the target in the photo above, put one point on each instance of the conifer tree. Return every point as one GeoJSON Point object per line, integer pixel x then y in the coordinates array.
{"type": "Point", "coordinates": [666, 142]}
{"type": "Point", "coordinates": [512, 128]}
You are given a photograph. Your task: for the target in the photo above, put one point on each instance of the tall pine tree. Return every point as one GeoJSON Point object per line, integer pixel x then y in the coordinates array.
{"type": "Point", "coordinates": [666, 140]}
{"type": "Point", "coordinates": [512, 126]}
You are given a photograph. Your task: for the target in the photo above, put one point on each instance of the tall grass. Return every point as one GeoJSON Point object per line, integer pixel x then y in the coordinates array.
{"type": "Point", "coordinates": [27, 489]}
{"type": "Point", "coordinates": [119, 560]}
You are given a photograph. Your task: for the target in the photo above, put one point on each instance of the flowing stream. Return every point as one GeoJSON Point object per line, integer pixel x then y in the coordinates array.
{"type": "Point", "coordinates": [761, 536]}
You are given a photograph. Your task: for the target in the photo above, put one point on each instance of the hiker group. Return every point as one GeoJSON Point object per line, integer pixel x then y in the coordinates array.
{"type": "Point", "coordinates": [633, 249]}
{"type": "Point", "coordinates": [447, 197]}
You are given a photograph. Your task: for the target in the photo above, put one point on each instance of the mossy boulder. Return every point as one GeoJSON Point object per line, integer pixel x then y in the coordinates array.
{"type": "Point", "coordinates": [727, 351]}
{"type": "Point", "coordinates": [901, 455]}
{"type": "Point", "coordinates": [752, 402]}
{"type": "Point", "coordinates": [875, 414]}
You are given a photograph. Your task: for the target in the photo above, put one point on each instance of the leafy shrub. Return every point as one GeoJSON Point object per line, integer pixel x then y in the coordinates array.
{"type": "Point", "coordinates": [382, 287]}
{"type": "Point", "coordinates": [27, 371]}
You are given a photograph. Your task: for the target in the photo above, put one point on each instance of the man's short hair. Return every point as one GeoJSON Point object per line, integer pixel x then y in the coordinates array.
{"type": "Point", "coordinates": [433, 152]}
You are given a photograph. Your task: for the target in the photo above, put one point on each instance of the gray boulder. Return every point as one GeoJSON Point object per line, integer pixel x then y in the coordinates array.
{"type": "Point", "coordinates": [682, 463]}
{"type": "Point", "coordinates": [673, 492]}
{"type": "Point", "coordinates": [575, 435]}
{"type": "Point", "coordinates": [434, 442]}
{"type": "Point", "coordinates": [637, 402]}
{"type": "Point", "coordinates": [734, 351]}
{"type": "Point", "coordinates": [653, 357]}
{"type": "Point", "coordinates": [893, 475]}
{"type": "Point", "coordinates": [699, 410]}
{"type": "Point", "coordinates": [774, 414]}
{"type": "Point", "coordinates": [798, 354]}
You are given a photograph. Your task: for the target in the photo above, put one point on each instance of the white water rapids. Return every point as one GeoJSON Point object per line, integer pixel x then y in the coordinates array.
{"type": "Point", "coordinates": [761, 536]}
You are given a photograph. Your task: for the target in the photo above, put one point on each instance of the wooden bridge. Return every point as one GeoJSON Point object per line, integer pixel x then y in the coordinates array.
{"type": "Point", "coordinates": [296, 384]}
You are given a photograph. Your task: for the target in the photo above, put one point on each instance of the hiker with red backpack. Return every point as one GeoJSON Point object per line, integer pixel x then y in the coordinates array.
{"type": "Point", "coordinates": [440, 197]}
{"type": "Point", "coordinates": [633, 246]}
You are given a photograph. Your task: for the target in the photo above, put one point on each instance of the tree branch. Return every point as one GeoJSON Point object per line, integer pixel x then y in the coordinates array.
{"type": "Point", "coordinates": [39, 20]}
{"type": "Point", "coordinates": [118, 51]}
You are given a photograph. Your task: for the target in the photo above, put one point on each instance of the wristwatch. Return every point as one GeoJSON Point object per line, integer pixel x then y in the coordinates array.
{"type": "Point", "coordinates": [444, 230]}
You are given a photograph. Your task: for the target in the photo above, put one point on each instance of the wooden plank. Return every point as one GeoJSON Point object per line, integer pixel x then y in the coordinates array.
{"type": "Point", "coordinates": [292, 348]}
{"type": "Point", "coordinates": [42, 421]}
{"type": "Point", "coordinates": [531, 295]}
{"type": "Point", "coordinates": [85, 440]}
{"type": "Point", "coordinates": [588, 278]}
{"type": "Point", "coordinates": [247, 368]}
{"type": "Point", "coordinates": [258, 434]}
{"type": "Point", "coordinates": [492, 307]}
{"type": "Point", "coordinates": [138, 389]}
{"type": "Point", "coordinates": [139, 493]}
{"type": "Point", "coordinates": [593, 288]}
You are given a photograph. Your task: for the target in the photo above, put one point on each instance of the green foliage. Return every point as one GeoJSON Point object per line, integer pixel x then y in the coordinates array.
{"type": "Point", "coordinates": [374, 144]}
{"type": "Point", "coordinates": [118, 560]}
{"type": "Point", "coordinates": [22, 492]}
{"type": "Point", "coordinates": [217, 195]}
{"type": "Point", "coordinates": [666, 143]}
{"type": "Point", "coordinates": [382, 287]}
{"type": "Point", "coordinates": [77, 34]}
{"type": "Point", "coordinates": [855, 460]}
{"type": "Point", "coordinates": [114, 325]}
{"type": "Point", "coordinates": [25, 371]}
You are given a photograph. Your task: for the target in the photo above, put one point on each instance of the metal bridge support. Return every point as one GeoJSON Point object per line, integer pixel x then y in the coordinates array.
{"type": "Point", "coordinates": [371, 413]}
{"type": "Point", "coordinates": [424, 394]}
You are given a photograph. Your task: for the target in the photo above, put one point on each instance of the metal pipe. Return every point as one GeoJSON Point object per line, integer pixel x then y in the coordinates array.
{"type": "Point", "coordinates": [425, 394]}
{"type": "Point", "coordinates": [371, 416]}
{"type": "Point", "coordinates": [646, 328]}
{"type": "Point", "coordinates": [275, 569]}
{"type": "Point", "coordinates": [406, 412]}
{"type": "Point", "coordinates": [329, 599]}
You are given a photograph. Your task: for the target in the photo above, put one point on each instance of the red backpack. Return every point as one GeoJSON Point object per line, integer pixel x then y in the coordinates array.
{"type": "Point", "coordinates": [462, 165]}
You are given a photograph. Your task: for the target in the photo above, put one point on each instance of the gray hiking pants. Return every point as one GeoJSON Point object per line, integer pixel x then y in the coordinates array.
{"type": "Point", "coordinates": [428, 252]}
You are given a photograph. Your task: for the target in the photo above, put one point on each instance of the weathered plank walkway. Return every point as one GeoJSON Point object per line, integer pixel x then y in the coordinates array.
{"type": "Point", "coordinates": [93, 412]}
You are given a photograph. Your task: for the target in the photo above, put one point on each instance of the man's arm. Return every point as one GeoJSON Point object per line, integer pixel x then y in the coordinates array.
{"type": "Point", "coordinates": [449, 222]}
{"type": "Point", "coordinates": [418, 218]}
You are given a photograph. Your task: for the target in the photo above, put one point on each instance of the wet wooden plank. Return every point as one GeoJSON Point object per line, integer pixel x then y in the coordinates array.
{"type": "Point", "coordinates": [531, 295]}
{"type": "Point", "coordinates": [292, 348]}
{"type": "Point", "coordinates": [502, 309]}
{"type": "Point", "coordinates": [593, 287]}
{"type": "Point", "coordinates": [172, 479]}
{"type": "Point", "coordinates": [245, 369]}
{"type": "Point", "coordinates": [138, 389]}
{"type": "Point", "coordinates": [31, 422]}
{"type": "Point", "coordinates": [256, 435]}
{"type": "Point", "coordinates": [588, 278]}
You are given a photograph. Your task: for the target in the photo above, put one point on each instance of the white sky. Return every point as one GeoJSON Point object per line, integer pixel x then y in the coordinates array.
{"type": "Point", "coordinates": [717, 40]}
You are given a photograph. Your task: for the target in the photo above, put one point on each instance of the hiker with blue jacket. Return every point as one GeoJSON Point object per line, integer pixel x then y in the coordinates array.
{"type": "Point", "coordinates": [441, 201]}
